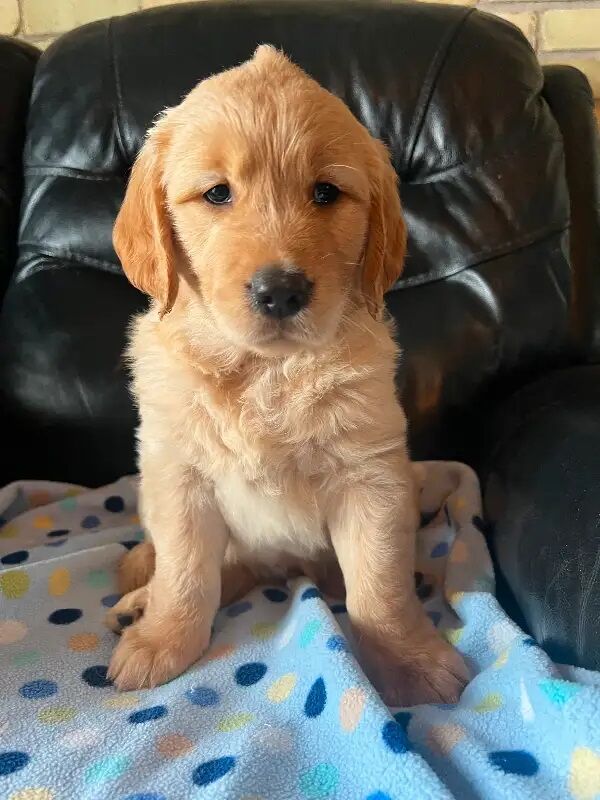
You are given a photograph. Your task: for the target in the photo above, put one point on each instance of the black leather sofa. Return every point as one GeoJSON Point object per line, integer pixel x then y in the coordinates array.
{"type": "Point", "coordinates": [498, 310]}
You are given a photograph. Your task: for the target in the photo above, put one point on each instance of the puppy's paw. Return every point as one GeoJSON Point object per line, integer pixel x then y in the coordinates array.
{"type": "Point", "coordinates": [148, 656]}
{"type": "Point", "coordinates": [127, 611]}
{"type": "Point", "coordinates": [419, 670]}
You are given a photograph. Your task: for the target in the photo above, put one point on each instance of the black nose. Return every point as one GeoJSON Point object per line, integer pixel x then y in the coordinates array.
{"type": "Point", "coordinates": [278, 292]}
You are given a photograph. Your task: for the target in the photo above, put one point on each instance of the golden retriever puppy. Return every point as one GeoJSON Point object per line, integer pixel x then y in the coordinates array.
{"type": "Point", "coordinates": [264, 220]}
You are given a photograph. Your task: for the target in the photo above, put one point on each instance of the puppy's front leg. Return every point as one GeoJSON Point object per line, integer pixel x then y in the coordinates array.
{"type": "Point", "coordinates": [190, 537]}
{"type": "Point", "coordinates": [373, 531]}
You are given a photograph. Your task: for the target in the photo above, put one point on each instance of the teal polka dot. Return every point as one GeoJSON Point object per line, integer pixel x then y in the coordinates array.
{"type": "Point", "coordinates": [98, 578]}
{"type": "Point", "coordinates": [320, 781]}
{"type": "Point", "coordinates": [68, 504]}
{"type": "Point", "coordinates": [26, 658]}
{"type": "Point", "coordinates": [107, 770]}
{"type": "Point", "coordinates": [559, 692]}
{"type": "Point", "coordinates": [308, 632]}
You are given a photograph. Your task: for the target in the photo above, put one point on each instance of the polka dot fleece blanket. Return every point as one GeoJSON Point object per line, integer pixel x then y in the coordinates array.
{"type": "Point", "coordinates": [278, 709]}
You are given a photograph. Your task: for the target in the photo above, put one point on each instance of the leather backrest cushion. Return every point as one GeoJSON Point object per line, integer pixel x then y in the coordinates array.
{"type": "Point", "coordinates": [455, 93]}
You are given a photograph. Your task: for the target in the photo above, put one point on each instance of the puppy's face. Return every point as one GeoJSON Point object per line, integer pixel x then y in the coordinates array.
{"type": "Point", "coordinates": [268, 198]}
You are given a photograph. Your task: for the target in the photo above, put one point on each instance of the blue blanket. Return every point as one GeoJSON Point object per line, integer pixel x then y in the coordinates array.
{"type": "Point", "coordinates": [279, 708]}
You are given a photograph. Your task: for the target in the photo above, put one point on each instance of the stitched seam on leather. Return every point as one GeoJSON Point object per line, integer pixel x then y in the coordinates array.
{"type": "Point", "coordinates": [118, 106]}
{"type": "Point", "coordinates": [72, 172]}
{"type": "Point", "coordinates": [430, 83]}
{"type": "Point", "coordinates": [483, 256]}
{"type": "Point", "coordinates": [56, 253]}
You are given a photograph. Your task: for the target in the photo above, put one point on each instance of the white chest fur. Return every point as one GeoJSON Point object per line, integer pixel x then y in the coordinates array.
{"type": "Point", "coordinates": [266, 525]}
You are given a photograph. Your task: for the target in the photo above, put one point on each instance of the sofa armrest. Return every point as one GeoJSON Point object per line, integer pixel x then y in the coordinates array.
{"type": "Point", "coordinates": [542, 500]}
{"type": "Point", "coordinates": [569, 95]}
{"type": "Point", "coordinates": [17, 65]}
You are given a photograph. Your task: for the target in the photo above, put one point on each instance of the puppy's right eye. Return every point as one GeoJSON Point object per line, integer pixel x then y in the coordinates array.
{"type": "Point", "coordinates": [219, 195]}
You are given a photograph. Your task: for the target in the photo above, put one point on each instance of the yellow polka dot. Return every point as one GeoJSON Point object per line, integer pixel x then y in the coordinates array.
{"type": "Point", "coordinates": [14, 584]}
{"type": "Point", "coordinates": [121, 701]}
{"type": "Point", "coordinates": [134, 519]}
{"type": "Point", "coordinates": [42, 522]}
{"type": "Point", "coordinates": [234, 722]}
{"type": "Point", "coordinates": [59, 582]}
{"type": "Point", "coordinates": [74, 491]}
{"type": "Point", "coordinates": [491, 702]}
{"type": "Point", "coordinates": [459, 503]}
{"type": "Point", "coordinates": [12, 630]}
{"type": "Point", "coordinates": [584, 775]}
{"type": "Point", "coordinates": [456, 597]}
{"type": "Point", "coordinates": [8, 531]}
{"type": "Point", "coordinates": [173, 745]}
{"type": "Point", "coordinates": [443, 738]}
{"type": "Point", "coordinates": [38, 793]}
{"type": "Point", "coordinates": [220, 651]}
{"type": "Point", "coordinates": [282, 688]}
{"type": "Point", "coordinates": [502, 659]}
{"type": "Point", "coordinates": [264, 630]}
{"type": "Point", "coordinates": [83, 642]}
{"type": "Point", "coordinates": [56, 714]}
{"type": "Point", "coordinates": [454, 635]}
{"type": "Point", "coordinates": [459, 553]}
{"type": "Point", "coordinates": [351, 708]}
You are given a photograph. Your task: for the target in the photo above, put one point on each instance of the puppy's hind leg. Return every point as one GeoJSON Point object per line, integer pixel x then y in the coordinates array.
{"type": "Point", "coordinates": [136, 568]}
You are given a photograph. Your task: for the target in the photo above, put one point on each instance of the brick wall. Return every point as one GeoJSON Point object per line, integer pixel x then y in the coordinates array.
{"type": "Point", "coordinates": [561, 31]}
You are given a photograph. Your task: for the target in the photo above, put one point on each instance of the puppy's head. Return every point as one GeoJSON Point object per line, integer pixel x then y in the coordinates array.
{"type": "Point", "coordinates": [264, 195]}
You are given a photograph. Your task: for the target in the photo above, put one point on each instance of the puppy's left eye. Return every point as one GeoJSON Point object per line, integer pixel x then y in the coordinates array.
{"type": "Point", "coordinates": [325, 193]}
{"type": "Point", "coordinates": [219, 194]}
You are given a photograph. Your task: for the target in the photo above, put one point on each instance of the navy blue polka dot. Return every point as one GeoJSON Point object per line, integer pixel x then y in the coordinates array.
{"type": "Point", "coordinates": [37, 690]}
{"type": "Point", "coordinates": [114, 503]}
{"type": "Point", "coordinates": [238, 608]}
{"type": "Point", "coordinates": [482, 526]}
{"type": "Point", "coordinates": [379, 796]}
{"type": "Point", "coordinates": [440, 550]}
{"type": "Point", "coordinates": [275, 595]}
{"type": "Point", "coordinates": [337, 643]}
{"type": "Point", "coordinates": [514, 762]}
{"type": "Point", "coordinates": [96, 676]}
{"type": "Point", "coordinates": [147, 714]}
{"type": "Point", "coordinates": [249, 674]}
{"type": "Point", "coordinates": [146, 796]}
{"type": "Point", "coordinates": [110, 600]}
{"type": "Point", "coordinates": [427, 517]}
{"type": "Point", "coordinates": [395, 737]}
{"type": "Point", "coordinates": [65, 616]}
{"type": "Point", "coordinates": [310, 594]}
{"type": "Point", "coordinates": [91, 521]}
{"type": "Point", "coordinates": [202, 696]}
{"type": "Point", "coordinates": [435, 617]}
{"type": "Point", "coordinates": [13, 761]}
{"type": "Point", "coordinates": [15, 558]}
{"type": "Point", "coordinates": [339, 608]}
{"type": "Point", "coordinates": [403, 718]}
{"type": "Point", "coordinates": [59, 532]}
{"type": "Point", "coordinates": [424, 590]}
{"type": "Point", "coordinates": [316, 699]}
{"type": "Point", "coordinates": [130, 544]}
{"type": "Point", "coordinates": [211, 771]}
{"type": "Point", "coordinates": [56, 543]}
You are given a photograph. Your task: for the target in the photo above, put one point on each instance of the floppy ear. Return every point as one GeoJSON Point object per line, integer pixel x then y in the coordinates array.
{"type": "Point", "coordinates": [386, 236]}
{"type": "Point", "coordinates": [143, 235]}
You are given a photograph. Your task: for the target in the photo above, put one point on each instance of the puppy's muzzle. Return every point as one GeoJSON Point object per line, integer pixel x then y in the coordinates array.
{"type": "Point", "coordinates": [279, 292]}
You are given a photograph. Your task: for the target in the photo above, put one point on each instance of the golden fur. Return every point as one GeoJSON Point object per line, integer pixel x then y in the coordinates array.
{"type": "Point", "coordinates": [268, 448]}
